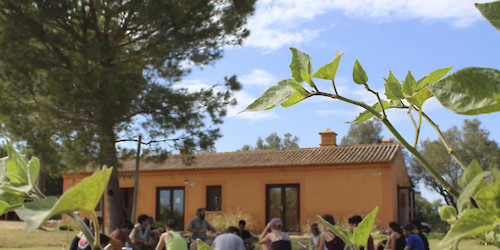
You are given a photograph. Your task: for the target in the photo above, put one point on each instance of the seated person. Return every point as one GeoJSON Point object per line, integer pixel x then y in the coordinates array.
{"type": "Point", "coordinates": [276, 239]}
{"type": "Point", "coordinates": [245, 235]}
{"type": "Point", "coordinates": [171, 240]}
{"type": "Point", "coordinates": [140, 234]}
{"type": "Point", "coordinates": [229, 241]}
{"type": "Point", "coordinates": [123, 235]}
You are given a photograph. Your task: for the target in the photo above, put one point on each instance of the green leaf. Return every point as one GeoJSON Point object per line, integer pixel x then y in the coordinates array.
{"type": "Point", "coordinates": [434, 76]}
{"type": "Point", "coordinates": [363, 230]}
{"type": "Point", "coordinates": [306, 77]}
{"type": "Point", "coordinates": [395, 104]}
{"type": "Point", "coordinates": [470, 190]}
{"type": "Point", "coordinates": [9, 200]}
{"type": "Point", "coordinates": [33, 170]}
{"type": "Point", "coordinates": [202, 245]}
{"type": "Point", "coordinates": [300, 61]}
{"type": "Point", "coordinates": [328, 71]}
{"type": "Point", "coordinates": [16, 167]}
{"type": "Point", "coordinates": [82, 197]}
{"type": "Point", "coordinates": [420, 97]}
{"type": "Point", "coordinates": [343, 234]}
{"type": "Point", "coordinates": [448, 213]}
{"type": "Point", "coordinates": [366, 115]}
{"type": "Point", "coordinates": [273, 96]}
{"type": "Point", "coordinates": [393, 90]}
{"type": "Point", "coordinates": [391, 78]}
{"type": "Point", "coordinates": [471, 222]}
{"type": "Point", "coordinates": [409, 84]}
{"type": "Point", "coordinates": [469, 91]}
{"type": "Point", "coordinates": [489, 198]}
{"type": "Point", "coordinates": [358, 74]}
{"type": "Point", "coordinates": [470, 172]}
{"type": "Point", "coordinates": [299, 94]}
{"type": "Point", "coordinates": [491, 11]}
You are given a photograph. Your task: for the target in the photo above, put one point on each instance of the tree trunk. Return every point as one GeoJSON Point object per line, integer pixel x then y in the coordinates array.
{"type": "Point", "coordinates": [114, 200]}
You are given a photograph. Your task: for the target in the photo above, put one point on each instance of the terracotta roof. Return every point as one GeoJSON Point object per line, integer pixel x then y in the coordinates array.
{"type": "Point", "coordinates": [373, 153]}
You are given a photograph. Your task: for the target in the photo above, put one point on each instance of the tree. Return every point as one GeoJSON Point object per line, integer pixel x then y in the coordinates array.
{"type": "Point", "coordinates": [426, 211]}
{"type": "Point", "coordinates": [273, 141]}
{"type": "Point", "coordinates": [77, 74]}
{"type": "Point", "coordinates": [469, 143]}
{"type": "Point", "coordinates": [364, 133]}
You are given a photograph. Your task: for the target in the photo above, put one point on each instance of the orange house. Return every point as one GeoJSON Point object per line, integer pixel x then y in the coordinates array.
{"type": "Point", "coordinates": [293, 184]}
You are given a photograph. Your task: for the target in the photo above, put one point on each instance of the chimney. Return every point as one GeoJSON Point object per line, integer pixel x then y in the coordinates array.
{"type": "Point", "coordinates": [386, 141]}
{"type": "Point", "coordinates": [328, 138]}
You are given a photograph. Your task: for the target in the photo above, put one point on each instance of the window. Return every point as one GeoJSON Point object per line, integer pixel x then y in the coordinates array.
{"type": "Point", "coordinates": [214, 198]}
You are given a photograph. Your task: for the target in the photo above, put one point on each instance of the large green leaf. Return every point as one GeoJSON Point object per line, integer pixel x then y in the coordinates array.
{"type": "Point", "coordinates": [273, 96]}
{"type": "Point", "coordinates": [448, 213]}
{"type": "Point", "coordinates": [343, 234]}
{"type": "Point", "coordinates": [9, 200]}
{"type": "Point", "coordinates": [299, 94]}
{"type": "Point", "coordinates": [300, 61]}
{"type": "Point", "coordinates": [16, 172]}
{"type": "Point", "coordinates": [409, 84]}
{"type": "Point", "coordinates": [470, 190]}
{"type": "Point", "coordinates": [82, 197]}
{"type": "Point", "coordinates": [363, 230]}
{"type": "Point", "coordinates": [366, 115]}
{"type": "Point", "coordinates": [469, 91]}
{"type": "Point", "coordinates": [420, 97]}
{"type": "Point", "coordinates": [471, 222]}
{"type": "Point", "coordinates": [470, 172]}
{"type": "Point", "coordinates": [358, 74]}
{"type": "Point", "coordinates": [489, 198]}
{"type": "Point", "coordinates": [434, 76]}
{"type": "Point", "coordinates": [328, 71]}
{"type": "Point", "coordinates": [202, 245]}
{"type": "Point", "coordinates": [491, 11]}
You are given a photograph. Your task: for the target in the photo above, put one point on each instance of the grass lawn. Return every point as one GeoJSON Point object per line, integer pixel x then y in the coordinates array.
{"type": "Point", "coordinates": [20, 239]}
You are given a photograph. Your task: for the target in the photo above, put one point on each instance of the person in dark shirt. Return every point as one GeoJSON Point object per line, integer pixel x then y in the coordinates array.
{"type": "Point", "coordinates": [420, 233]}
{"type": "Point", "coordinates": [245, 235]}
{"type": "Point", "coordinates": [413, 242]}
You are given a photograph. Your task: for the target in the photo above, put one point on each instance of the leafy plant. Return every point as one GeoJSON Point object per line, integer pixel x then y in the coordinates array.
{"type": "Point", "coordinates": [19, 193]}
{"type": "Point", "coordinates": [468, 91]}
{"type": "Point", "coordinates": [359, 236]}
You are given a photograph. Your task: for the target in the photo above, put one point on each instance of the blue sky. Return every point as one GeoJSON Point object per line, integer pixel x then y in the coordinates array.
{"type": "Point", "coordinates": [383, 35]}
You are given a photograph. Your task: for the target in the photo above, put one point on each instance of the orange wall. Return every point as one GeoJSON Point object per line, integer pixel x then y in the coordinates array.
{"type": "Point", "coordinates": [342, 191]}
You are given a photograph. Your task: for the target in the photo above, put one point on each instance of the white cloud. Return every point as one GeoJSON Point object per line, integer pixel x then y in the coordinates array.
{"type": "Point", "coordinates": [258, 77]}
{"type": "Point", "coordinates": [277, 23]}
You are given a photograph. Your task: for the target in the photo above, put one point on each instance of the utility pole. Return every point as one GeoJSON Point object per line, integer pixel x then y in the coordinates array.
{"type": "Point", "coordinates": [136, 185]}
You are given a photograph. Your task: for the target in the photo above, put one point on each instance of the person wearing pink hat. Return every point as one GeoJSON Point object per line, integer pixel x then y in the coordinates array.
{"type": "Point", "coordinates": [276, 239]}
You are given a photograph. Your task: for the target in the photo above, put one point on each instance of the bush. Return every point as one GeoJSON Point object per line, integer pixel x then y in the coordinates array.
{"type": "Point", "coordinates": [221, 221]}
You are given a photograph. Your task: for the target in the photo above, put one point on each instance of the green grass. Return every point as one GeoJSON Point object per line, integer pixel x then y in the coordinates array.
{"type": "Point", "coordinates": [21, 239]}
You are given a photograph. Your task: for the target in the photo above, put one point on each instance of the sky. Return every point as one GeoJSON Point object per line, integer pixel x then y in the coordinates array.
{"type": "Point", "coordinates": [383, 35]}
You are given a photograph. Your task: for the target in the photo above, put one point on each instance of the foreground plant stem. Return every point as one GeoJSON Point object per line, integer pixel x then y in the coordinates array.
{"type": "Point", "coordinates": [400, 138]}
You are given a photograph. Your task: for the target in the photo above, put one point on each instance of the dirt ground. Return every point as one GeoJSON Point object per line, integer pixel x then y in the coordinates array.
{"type": "Point", "coordinates": [5, 224]}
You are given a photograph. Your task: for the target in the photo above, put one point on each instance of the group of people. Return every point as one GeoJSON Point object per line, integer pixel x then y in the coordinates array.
{"type": "Point", "coordinates": [142, 236]}
{"type": "Point", "coordinates": [235, 238]}
{"type": "Point", "coordinates": [410, 237]}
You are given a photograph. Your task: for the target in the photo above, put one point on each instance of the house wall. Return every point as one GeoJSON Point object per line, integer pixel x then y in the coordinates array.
{"type": "Point", "coordinates": [342, 191]}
